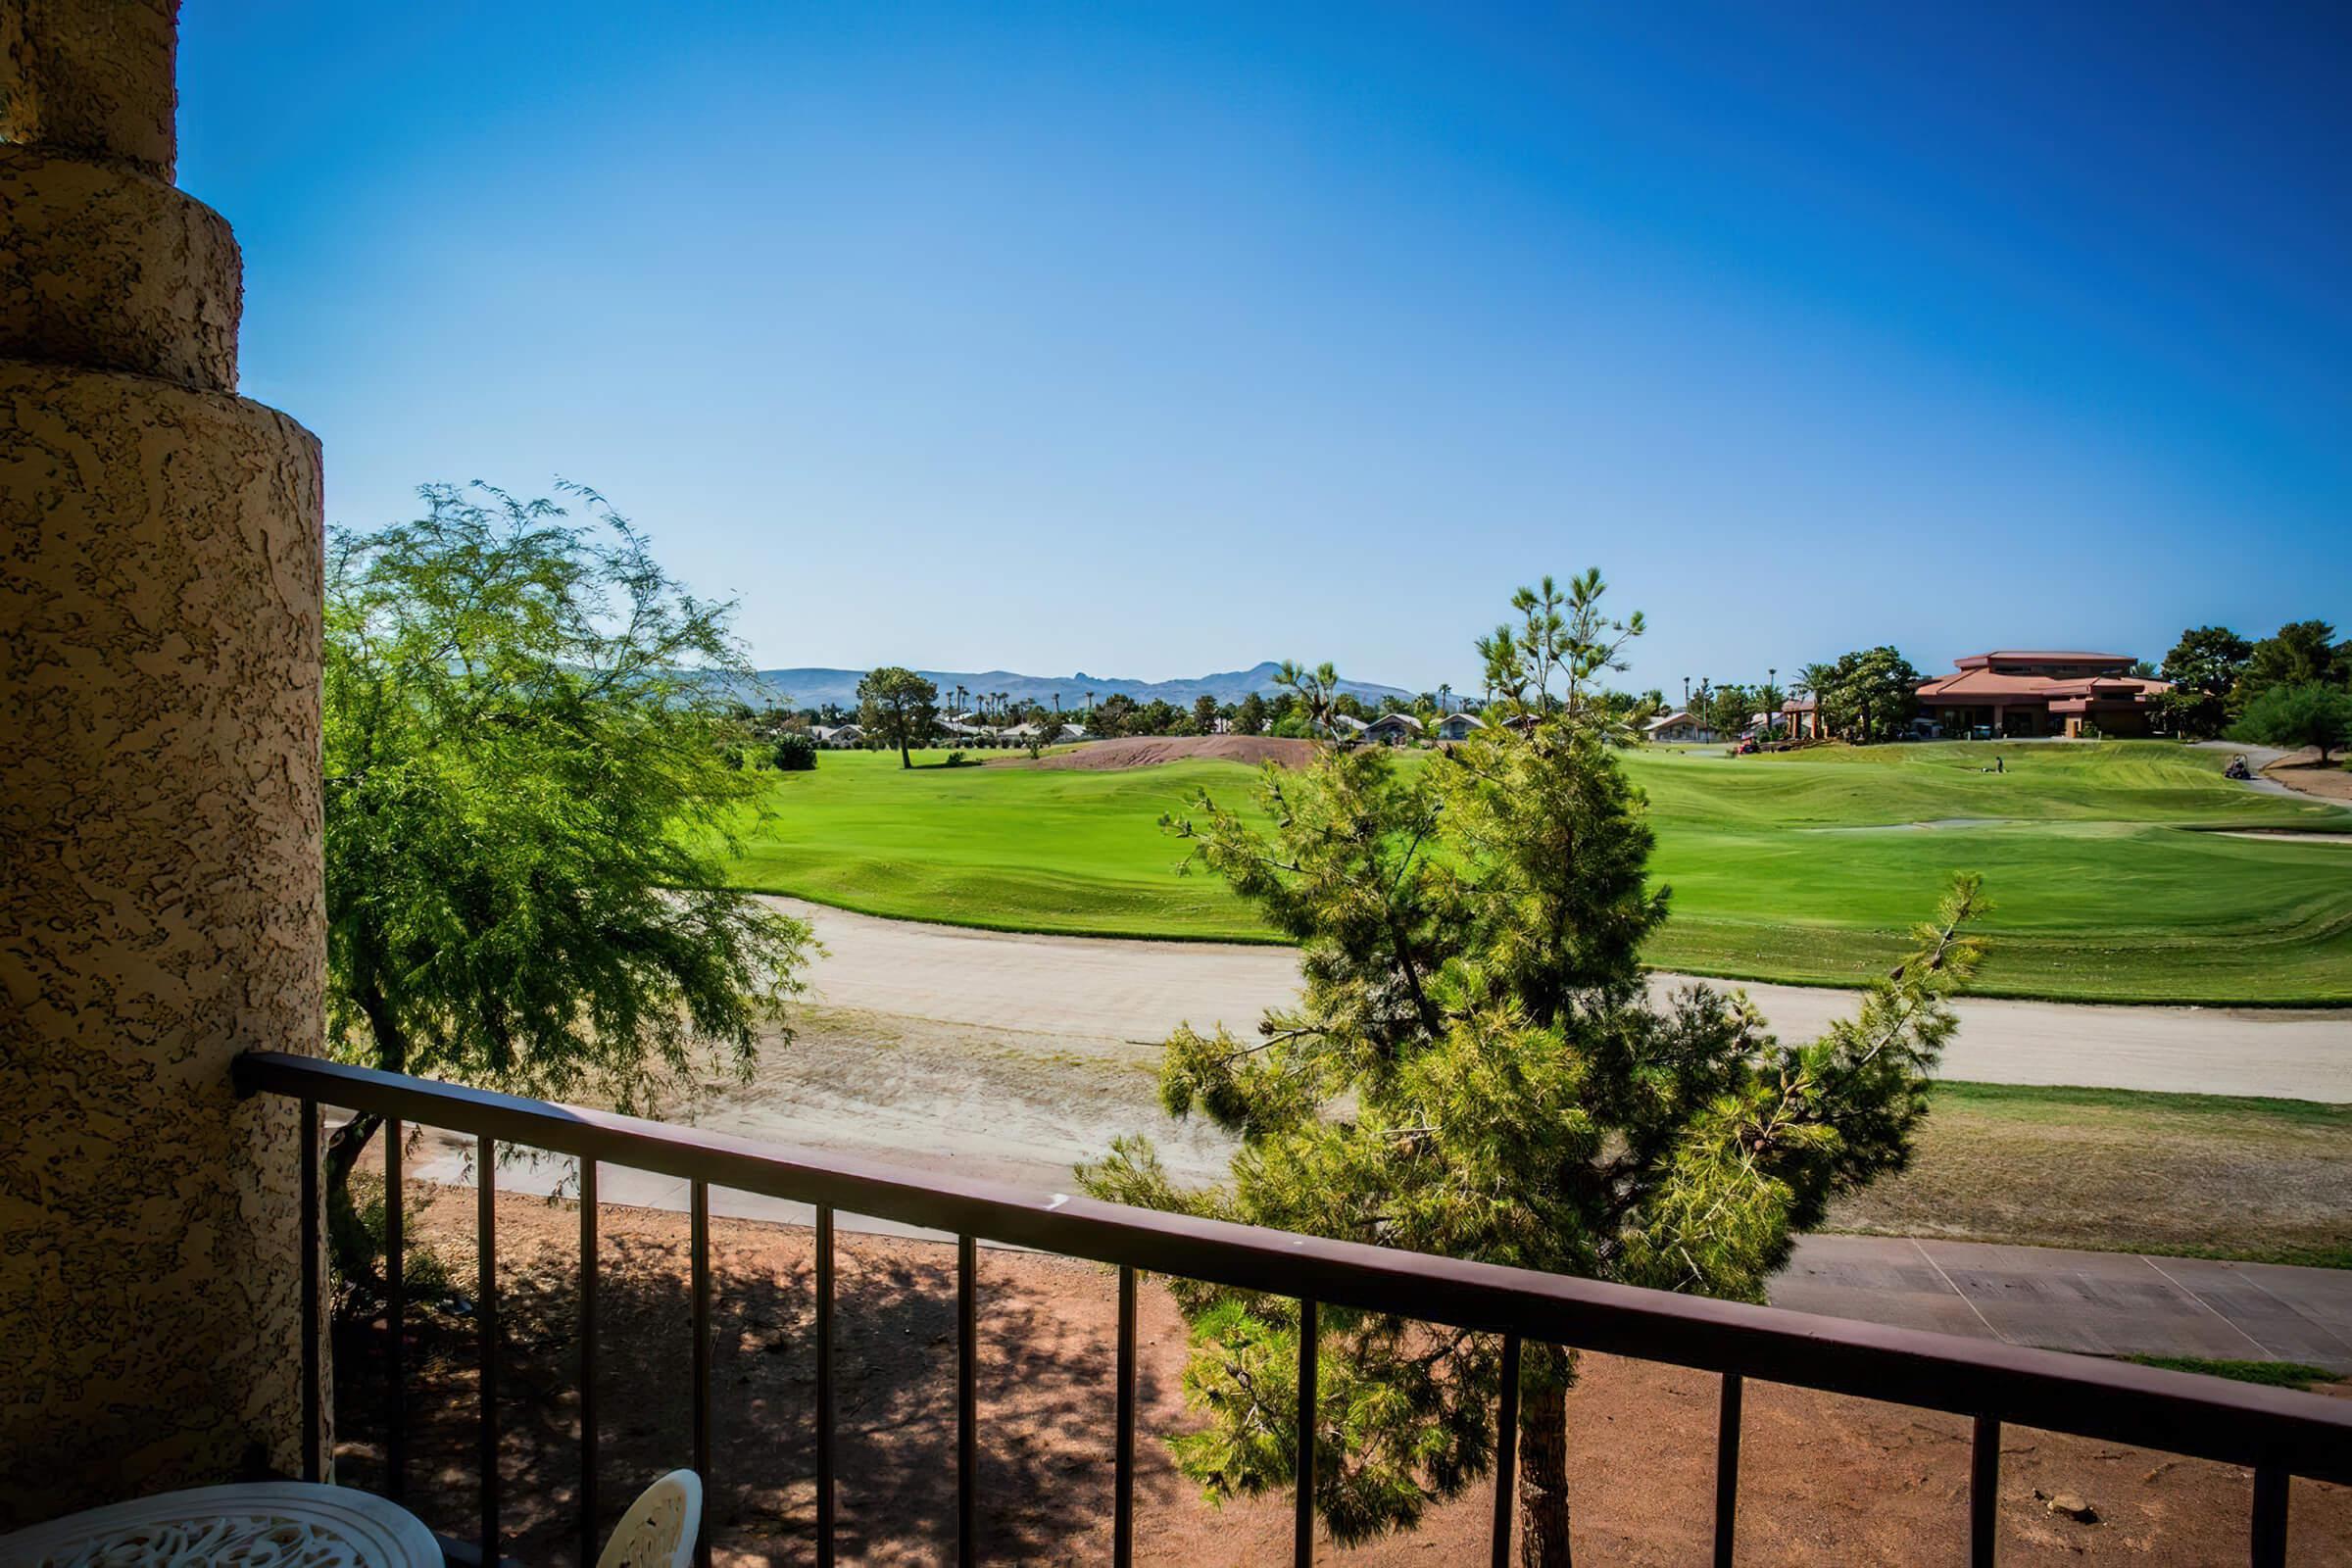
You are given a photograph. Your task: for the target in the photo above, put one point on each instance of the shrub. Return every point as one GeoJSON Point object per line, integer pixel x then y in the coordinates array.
{"type": "Point", "coordinates": [424, 1272]}
{"type": "Point", "coordinates": [2311, 715]}
{"type": "Point", "coordinates": [793, 753]}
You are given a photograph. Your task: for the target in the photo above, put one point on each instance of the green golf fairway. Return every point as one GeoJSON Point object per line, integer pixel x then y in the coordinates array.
{"type": "Point", "coordinates": [1807, 866]}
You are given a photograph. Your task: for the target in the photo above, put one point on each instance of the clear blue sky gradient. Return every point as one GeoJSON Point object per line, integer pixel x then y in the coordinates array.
{"type": "Point", "coordinates": [1152, 341]}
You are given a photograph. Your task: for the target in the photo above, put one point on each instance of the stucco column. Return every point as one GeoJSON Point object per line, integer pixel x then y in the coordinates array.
{"type": "Point", "coordinates": [160, 887]}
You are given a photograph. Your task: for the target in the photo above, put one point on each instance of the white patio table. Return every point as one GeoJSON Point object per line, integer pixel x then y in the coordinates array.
{"type": "Point", "coordinates": [270, 1524]}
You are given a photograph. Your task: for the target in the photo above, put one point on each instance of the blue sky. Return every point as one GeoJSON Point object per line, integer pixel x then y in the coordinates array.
{"type": "Point", "coordinates": [1152, 341]}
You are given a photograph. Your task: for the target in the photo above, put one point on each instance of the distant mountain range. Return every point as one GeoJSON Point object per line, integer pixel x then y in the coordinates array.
{"type": "Point", "coordinates": [814, 688]}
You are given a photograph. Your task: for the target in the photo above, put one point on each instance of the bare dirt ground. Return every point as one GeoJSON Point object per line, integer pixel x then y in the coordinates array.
{"type": "Point", "coordinates": [1823, 1477]}
{"type": "Point", "coordinates": [2303, 772]}
{"type": "Point", "coordinates": [1149, 751]}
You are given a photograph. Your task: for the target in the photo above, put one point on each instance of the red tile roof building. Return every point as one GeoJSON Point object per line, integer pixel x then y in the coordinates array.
{"type": "Point", "coordinates": [2039, 692]}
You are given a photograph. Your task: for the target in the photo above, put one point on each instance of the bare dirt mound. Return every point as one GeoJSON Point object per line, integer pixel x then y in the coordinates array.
{"type": "Point", "coordinates": [1150, 750]}
{"type": "Point", "coordinates": [2303, 772]}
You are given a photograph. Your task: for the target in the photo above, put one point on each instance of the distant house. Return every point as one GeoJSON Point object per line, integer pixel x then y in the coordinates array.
{"type": "Point", "coordinates": [1458, 726]}
{"type": "Point", "coordinates": [837, 736]}
{"type": "Point", "coordinates": [1392, 729]}
{"type": "Point", "coordinates": [1680, 728]}
{"type": "Point", "coordinates": [1346, 728]}
{"type": "Point", "coordinates": [2031, 692]}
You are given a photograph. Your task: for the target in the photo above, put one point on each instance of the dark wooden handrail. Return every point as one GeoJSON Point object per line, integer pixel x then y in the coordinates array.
{"type": "Point", "coordinates": [2277, 1432]}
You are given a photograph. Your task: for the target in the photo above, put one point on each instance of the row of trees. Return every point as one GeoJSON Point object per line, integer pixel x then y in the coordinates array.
{"type": "Point", "coordinates": [1871, 694]}
{"type": "Point", "coordinates": [901, 709]}
{"type": "Point", "coordinates": [1863, 696]}
{"type": "Point", "coordinates": [2292, 688]}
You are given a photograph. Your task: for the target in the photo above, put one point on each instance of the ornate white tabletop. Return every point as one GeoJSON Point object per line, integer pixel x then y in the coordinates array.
{"type": "Point", "coordinates": [273, 1523]}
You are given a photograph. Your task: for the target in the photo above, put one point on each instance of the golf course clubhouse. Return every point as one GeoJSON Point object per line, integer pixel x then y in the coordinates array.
{"type": "Point", "coordinates": [2026, 692]}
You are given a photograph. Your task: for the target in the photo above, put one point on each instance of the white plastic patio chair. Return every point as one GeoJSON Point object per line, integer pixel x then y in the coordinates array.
{"type": "Point", "coordinates": [658, 1530]}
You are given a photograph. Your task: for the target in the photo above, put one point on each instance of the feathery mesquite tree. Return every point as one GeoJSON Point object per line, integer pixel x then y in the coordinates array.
{"type": "Point", "coordinates": [526, 757]}
{"type": "Point", "coordinates": [1476, 1069]}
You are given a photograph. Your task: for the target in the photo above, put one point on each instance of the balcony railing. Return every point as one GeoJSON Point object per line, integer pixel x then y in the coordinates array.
{"type": "Point", "coordinates": [2276, 1433]}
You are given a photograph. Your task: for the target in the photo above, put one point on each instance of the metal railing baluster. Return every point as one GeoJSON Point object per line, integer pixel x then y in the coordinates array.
{"type": "Point", "coordinates": [1303, 1514]}
{"type": "Point", "coordinates": [1984, 1492]}
{"type": "Point", "coordinates": [699, 1243]}
{"type": "Point", "coordinates": [1506, 1452]}
{"type": "Point", "coordinates": [824, 1387]}
{"type": "Point", "coordinates": [485, 1263]}
{"type": "Point", "coordinates": [395, 1312]}
{"type": "Point", "coordinates": [967, 1404]}
{"type": "Point", "coordinates": [588, 1278]}
{"type": "Point", "coordinates": [1122, 1498]}
{"type": "Point", "coordinates": [2268, 1546]}
{"type": "Point", "coordinates": [1727, 1469]}
{"type": "Point", "coordinates": [313, 1330]}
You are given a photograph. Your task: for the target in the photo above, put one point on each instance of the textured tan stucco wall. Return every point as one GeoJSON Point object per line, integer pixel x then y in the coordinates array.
{"type": "Point", "coordinates": [160, 912]}
{"type": "Point", "coordinates": [93, 77]}
{"type": "Point", "coordinates": [160, 901]}
{"type": "Point", "coordinates": [112, 270]}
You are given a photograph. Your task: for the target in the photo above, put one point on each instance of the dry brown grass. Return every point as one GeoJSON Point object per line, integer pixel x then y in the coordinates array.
{"type": "Point", "coordinates": [2199, 1175]}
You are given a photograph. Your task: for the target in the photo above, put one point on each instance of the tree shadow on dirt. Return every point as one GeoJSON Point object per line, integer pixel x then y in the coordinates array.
{"type": "Point", "coordinates": [1046, 1375]}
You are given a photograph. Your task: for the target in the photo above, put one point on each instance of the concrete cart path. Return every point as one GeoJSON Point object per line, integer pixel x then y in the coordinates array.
{"type": "Point", "coordinates": [1139, 990]}
{"type": "Point", "coordinates": [2101, 1303]}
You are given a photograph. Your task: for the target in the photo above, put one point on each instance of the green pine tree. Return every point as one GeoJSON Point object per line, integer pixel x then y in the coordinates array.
{"type": "Point", "coordinates": [1477, 1069]}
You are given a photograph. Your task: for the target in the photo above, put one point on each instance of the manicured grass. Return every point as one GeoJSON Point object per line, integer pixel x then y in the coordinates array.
{"type": "Point", "coordinates": [1806, 867]}
{"type": "Point", "coordinates": [1809, 866]}
{"type": "Point", "coordinates": [2271, 1374]}
{"type": "Point", "coordinates": [1008, 847]}
{"type": "Point", "coordinates": [2116, 1170]}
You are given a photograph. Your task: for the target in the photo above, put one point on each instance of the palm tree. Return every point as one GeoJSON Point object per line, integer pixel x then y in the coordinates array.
{"type": "Point", "coordinates": [1317, 689]}
{"type": "Point", "coordinates": [1815, 681]}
